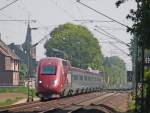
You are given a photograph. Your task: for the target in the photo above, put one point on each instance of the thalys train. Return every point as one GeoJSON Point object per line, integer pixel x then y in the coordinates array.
{"type": "Point", "coordinates": [56, 78]}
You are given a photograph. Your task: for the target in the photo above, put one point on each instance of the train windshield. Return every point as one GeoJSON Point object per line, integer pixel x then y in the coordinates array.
{"type": "Point", "coordinates": [49, 70]}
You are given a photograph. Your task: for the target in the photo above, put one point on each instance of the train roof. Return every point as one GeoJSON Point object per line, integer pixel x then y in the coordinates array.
{"type": "Point", "coordinates": [52, 58]}
{"type": "Point", "coordinates": [86, 71]}
{"type": "Point", "coordinates": [73, 68]}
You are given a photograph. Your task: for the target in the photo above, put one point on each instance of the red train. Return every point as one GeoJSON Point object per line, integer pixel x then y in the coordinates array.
{"type": "Point", "coordinates": [56, 77]}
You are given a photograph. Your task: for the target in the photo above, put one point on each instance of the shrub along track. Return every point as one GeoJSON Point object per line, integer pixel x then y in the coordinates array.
{"type": "Point", "coordinates": [66, 105]}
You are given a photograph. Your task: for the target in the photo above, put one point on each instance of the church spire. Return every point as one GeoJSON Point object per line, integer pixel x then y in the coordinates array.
{"type": "Point", "coordinates": [28, 35]}
{"type": "Point", "coordinates": [28, 41]}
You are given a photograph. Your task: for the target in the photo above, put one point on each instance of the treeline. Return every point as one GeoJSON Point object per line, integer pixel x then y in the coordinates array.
{"type": "Point", "coordinates": [115, 71]}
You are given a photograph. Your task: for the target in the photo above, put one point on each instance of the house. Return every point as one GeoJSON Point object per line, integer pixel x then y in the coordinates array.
{"type": "Point", "coordinates": [9, 66]}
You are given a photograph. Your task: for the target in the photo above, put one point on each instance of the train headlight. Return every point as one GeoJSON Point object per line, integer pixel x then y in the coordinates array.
{"type": "Point", "coordinates": [40, 81]}
{"type": "Point", "coordinates": [54, 82]}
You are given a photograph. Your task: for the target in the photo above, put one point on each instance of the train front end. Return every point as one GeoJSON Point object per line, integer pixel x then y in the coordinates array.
{"type": "Point", "coordinates": [48, 81]}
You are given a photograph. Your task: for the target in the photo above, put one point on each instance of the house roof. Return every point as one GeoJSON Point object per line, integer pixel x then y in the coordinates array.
{"type": "Point", "coordinates": [5, 50]}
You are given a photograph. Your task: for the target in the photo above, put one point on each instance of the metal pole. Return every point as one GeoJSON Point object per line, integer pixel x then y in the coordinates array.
{"type": "Point", "coordinates": [79, 43]}
{"type": "Point", "coordinates": [80, 55]}
{"type": "Point", "coordinates": [142, 81]}
{"type": "Point", "coordinates": [28, 74]}
{"type": "Point", "coordinates": [30, 93]}
{"type": "Point", "coordinates": [135, 84]}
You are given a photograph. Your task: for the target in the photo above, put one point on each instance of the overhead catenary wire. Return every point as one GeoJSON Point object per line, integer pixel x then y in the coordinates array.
{"type": "Point", "coordinates": [111, 36]}
{"type": "Point", "coordinates": [62, 9]}
{"type": "Point", "coordinates": [41, 40]}
{"type": "Point", "coordinates": [107, 35]}
{"type": "Point", "coordinates": [112, 28]}
{"type": "Point", "coordinates": [80, 12]}
{"type": "Point", "coordinates": [19, 20]}
{"type": "Point", "coordinates": [107, 42]}
{"type": "Point", "coordinates": [78, 1]}
{"type": "Point", "coordinates": [112, 43]}
{"type": "Point", "coordinates": [90, 20]}
{"type": "Point", "coordinates": [8, 5]}
{"type": "Point", "coordinates": [11, 19]}
{"type": "Point", "coordinates": [119, 48]}
{"type": "Point", "coordinates": [5, 15]}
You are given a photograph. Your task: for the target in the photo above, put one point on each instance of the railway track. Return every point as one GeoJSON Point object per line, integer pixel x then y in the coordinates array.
{"type": "Point", "coordinates": [85, 105]}
{"type": "Point", "coordinates": [66, 105]}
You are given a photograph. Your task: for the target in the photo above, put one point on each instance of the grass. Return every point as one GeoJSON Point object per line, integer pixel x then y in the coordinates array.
{"type": "Point", "coordinates": [23, 90]}
{"type": "Point", "coordinates": [13, 90]}
{"type": "Point", "coordinates": [9, 101]}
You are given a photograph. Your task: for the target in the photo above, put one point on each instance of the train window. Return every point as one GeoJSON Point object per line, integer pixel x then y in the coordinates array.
{"type": "Point", "coordinates": [81, 77]}
{"type": "Point", "coordinates": [88, 78]}
{"type": "Point", "coordinates": [85, 78]}
{"type": "Point", "coordinates": [50, 70]}
{"type": "Point", "coordinates": [95, 79]}
{"type": "Point", "coordinates": [75, 77]}
{"type": "Point", "coordinates": [100, 79]}
{"type": "Point", "coordinates": [92, 78]}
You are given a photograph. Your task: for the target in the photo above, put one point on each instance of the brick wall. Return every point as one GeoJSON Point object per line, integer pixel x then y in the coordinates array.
{"type": "Point", "coordinates": [6, 79]}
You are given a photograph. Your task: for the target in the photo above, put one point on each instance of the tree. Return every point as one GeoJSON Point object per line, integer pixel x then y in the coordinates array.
{"type": "Point", "coordinates": [78, 43]}
{"type": "Point", "coordinates": [23, 72]}
{"type": "Point", "coordinates": [115, 71]}
{"type": "Point", "coordinates": [140, 29]}
{"type": "Point", "coordinates": [141, 19]}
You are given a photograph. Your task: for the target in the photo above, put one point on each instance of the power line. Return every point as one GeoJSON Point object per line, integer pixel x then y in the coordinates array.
{"type": "Point", "coordinates": [62, 9]}
{"type": "Point", "coordinates": [8, 5]}
{"type": "Point", "coordinates": [5, 15]}
{"type": "Point", "coordinates": [112, 28]}
{"type": "Point", "coordinates": [119, 48]}
{"type": "Point", "coordinates": [102, 14]}
{"type": "Point", "coordinates": [20, 20]}
{"type": "Point", "coordinates": [40, 41]}
{"type": "Point", "coordinates": [80, 12]}
{"type": "Point", "coordinates": [10, 18]}
{"type": "Point", "coordinates": [107, 42]}
{"type": "Point", "coordinates": [88, 20]}
{"type": "Point", "coordinates": [110, 36]}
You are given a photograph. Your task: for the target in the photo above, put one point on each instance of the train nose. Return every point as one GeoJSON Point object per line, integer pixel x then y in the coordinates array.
{"type": "Point", "coordinates": [50, 84]}
{"type": "Point", "coordinates": [54, 82]}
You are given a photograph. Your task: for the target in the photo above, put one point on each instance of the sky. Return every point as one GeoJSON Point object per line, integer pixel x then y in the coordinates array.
{"type": "Point", "coordinates": [51, 13]}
